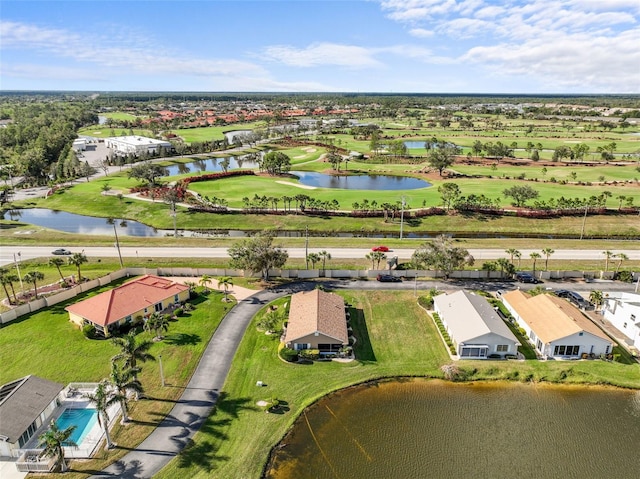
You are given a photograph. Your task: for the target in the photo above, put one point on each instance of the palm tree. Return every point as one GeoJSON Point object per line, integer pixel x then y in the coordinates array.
{"type": "Point", "coordinates": [225, 282]}
{"type": "Point", "coordinates": [504, 265]}
{"type": "Point", "coordinates": [57, 262]}
{"type": "Point", "coordinates": [513, 253]}
{"type": "Point", "coordinates": [124, 381]}
{"type": "Point", "coordinates": [102, 398]}
{"type": "Point", "coordinates": [5, 280]}
{"type": "Point", "coordinates": [621, 257]}
{"type": "Point", "coordinates": [379, 256]}
{"type": "Point", "coordinates": [535, 257]}
{"type": "Point", "coordinates": [596, 297]}
{"type": "Point", "coordinates": [313, 258]}
{"type": "Point", "coordinates": [54, 441]}
{"type": "Point", "coordinates": [325, 255]}
{"type": "Point", "coordinates": [76, 260]}
{"type": "Point", "coordinates": [547, 252]}
{"type": "Point", "coordinates": [157, 323]}
{"type": "Point", "coordinates": [131, 352]}
{"type": "Point", "coordinates": [34, 277]}
{"type": "Point", "coordinates": [205, 281]}
{"type": "Point", "coordinates": [371, 258]}
{"type": "Point", "coordinates": [489, 266]}
{"type": "Point", "coordinates": [608, 254]}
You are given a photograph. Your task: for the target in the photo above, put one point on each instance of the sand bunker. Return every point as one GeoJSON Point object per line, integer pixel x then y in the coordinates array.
{"type": "Point", "coordinates": [297, 185]}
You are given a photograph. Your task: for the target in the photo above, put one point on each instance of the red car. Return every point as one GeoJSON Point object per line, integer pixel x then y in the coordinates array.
{"type": "Point", "coordinates": [383, 249]}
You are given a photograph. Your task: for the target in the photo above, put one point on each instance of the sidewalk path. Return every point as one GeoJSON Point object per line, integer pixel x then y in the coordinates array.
{"type": "Point", "coordinates": [194, 406]}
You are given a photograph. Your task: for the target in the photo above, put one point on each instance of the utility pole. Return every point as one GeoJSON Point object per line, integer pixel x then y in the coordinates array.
{"type": "Point", "coordinates": [402, 217]}
{"type": "Point", "coordinates": [306, 246]}
{"type": "Point", "coordinates": [17, 263]}
{"type": "Point", "coordinates": [115, 231]}
{"type": "Point", "coordinates": [161, 370]}
{"type": "Point", "coordinates": [584, 220]}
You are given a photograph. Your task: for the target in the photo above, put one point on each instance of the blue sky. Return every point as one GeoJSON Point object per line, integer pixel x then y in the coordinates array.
{"type": "Point", "coordinates": [426, 46]}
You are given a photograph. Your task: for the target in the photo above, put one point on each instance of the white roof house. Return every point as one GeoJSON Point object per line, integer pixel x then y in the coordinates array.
{"type": "Point", "coordinates": [555, 327]}
{"type": "Point", "coordinates": [623, 311]}
{"type": "Point", "coordinates": [135, 145]}
{"type": "Point", "coordinates": [474, 326]}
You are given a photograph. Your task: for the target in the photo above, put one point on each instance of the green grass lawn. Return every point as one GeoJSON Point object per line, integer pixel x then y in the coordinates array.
{"type": "Point", "coordinates": [46, 344]}
{"type": "Point", "coordinates": [208, 133]}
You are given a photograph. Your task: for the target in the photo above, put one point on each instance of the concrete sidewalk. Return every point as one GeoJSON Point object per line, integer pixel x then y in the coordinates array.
{"type": "Point", "coordinates": [192, 409]}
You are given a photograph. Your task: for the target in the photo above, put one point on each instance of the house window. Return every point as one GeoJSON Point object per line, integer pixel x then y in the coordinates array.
{"type": "Point", "coordinates": [473, 352]}
{"type": "Point", "coordinates": [158, 307]}
{"type": "Point", "coordinates": [566, 350]}
{"type": "Point", "coordinates": [128, 319]}
{"type": "Point", "coordinates": [624, 325]}
{"type": "Point", "coordinates": [176, 299]}
{"type": "Point", "coordinates": [581, 333]}
{"type": "Point", "coordinates": [539, 345]}
{"type": "Point", "coordinates": [502, 348]}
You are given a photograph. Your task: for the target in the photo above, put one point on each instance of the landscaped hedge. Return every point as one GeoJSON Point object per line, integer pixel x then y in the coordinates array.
{"type": "Point", "coordinates": [443, 331]}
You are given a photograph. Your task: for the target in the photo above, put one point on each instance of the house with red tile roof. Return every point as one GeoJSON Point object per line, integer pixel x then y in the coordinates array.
{"type": "Point", "coordinates": [317, 320]}
{"type": "Point", "coordinates": [128, 303]}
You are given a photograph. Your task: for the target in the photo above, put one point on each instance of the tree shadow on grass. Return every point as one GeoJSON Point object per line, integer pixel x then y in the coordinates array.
{"type": "Point", "coordinates": [362, 349]}
{"type": "Point", "coordinates": [182, 339]}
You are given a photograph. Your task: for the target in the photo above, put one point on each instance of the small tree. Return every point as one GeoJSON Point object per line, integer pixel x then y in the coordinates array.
{"type": "Point", "coordinates": [226, 282]}
{"type": "Point", "coordinates": [621, 257]}
{"type": "Point", "coordinates": [607, 256]}
{"type": "Point", "coordinates": [157, 323]}
{"type": "Point", "coordinates": [325, 256]}
{"type": "Point", "coordinates": [124, 381]}
{"type": "Point", "coordinates": [78, 259]}
{"type": "Point", "coordinates": [102, 399]}
{"type": "Point", "coordinates": [54, 440]}
{"type": "Point", "coordinates": [132, 352]}
{"type": "Point", "coordinates": [205, 281]}
{"type": "Point", "coordinates": [535, 257]}
{"type": "Point", "coordinates": [258, 254]}
{"type": "Point", "coordinates": [57, 262]}
{"type": "Point", "coordinates": [33, 277]}
{"type": "Point", "coordinates": [596, 297]}
{"type": "Point", "coordinates": [547, 252]}
{"type": "Point", "coordinates": [313, 258]}
{"type": "Point", "coordinates": [521, 194]}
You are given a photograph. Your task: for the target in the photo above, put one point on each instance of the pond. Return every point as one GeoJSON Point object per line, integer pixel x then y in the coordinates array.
{"type": "Point", "coordinates": [211, 165]}
{"type": "Point", "coordinates": [435, 429]}
{"type": "Point", "coordinates": [360, 182]}
{"type": "Point", "coordinates": [73, 223]}
{"type": "Point", "coordinates": [414, 144]}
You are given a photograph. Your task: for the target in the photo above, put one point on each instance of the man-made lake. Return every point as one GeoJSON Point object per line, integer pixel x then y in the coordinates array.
{"type": "Point", "coordinates": [434, 429]}
{"type": "Point", "coordinates": [210, 165]}
{"type": "Point", "coordinates": [360, 182]}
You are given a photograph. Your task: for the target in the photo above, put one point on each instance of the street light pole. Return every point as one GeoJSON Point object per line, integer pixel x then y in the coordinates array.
{"type": "Point", "coordinates": [306, 246]}
{"type": "Point", "coordinates": [584, 220]}
{"type": "Point", "coordinates": [161, 370]}
{"type": "Point", "coordinates": [17, 263]}
{"type": "Point", "coordinates": [402, 218]}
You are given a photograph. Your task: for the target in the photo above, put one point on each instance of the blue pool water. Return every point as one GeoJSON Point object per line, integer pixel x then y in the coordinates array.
{"type": "Point", "coordinates": [83, 419]}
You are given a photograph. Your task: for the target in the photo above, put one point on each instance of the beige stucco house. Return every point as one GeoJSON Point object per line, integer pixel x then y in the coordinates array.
{"type": "Point", "coordinates": [317, 320]}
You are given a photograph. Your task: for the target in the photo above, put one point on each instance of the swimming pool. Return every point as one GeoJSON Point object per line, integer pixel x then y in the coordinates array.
{"type": "Point", "coordinates": [83, 419]}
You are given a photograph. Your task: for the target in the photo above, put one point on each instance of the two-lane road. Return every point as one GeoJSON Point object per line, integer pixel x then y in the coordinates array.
{"type": "Point", "coordinates": [9, 253]}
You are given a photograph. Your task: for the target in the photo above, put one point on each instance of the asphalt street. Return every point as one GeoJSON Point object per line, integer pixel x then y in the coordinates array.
{"type": "Point", "coordinates": [30, 252]}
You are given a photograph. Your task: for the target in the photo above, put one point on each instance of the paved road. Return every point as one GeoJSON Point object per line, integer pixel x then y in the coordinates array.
{"type": "Point", "coordinates": [194, 406]}
{"type": "Point", "coordinates": [30, 252]}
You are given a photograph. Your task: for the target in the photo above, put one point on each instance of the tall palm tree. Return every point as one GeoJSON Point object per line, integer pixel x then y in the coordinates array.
{"type": "Point", "coordinates": [57, 262]}
{"type": "Point", "coordinates": [325, 255]}
{"type": "Point", "coordinates": [621, 257]}
{"type": "Point", "coordinates": [504, 265]}
{"type": "Point", "coordinates": [313, 258]}
{"type": "Point", "coordinates": [132, 352]}
{"type": "Point", "coordinates": [34, 277]}
{"type": "Point", "coordinates": [226, 282]}
{"type": "Point", "coordinates": [513, 253]}
{"type": "Point", "coordinates": [123, 380]}
{"type": "Point", "coordinates": [205, 281]}
{"type": "Point", "coordinates": [535, 257]}
{"type": "Point", "coordinates": [607, 256]}
{"type": "Point", "coordinates": [54, 440]}
{"type": "Point", "coordinates": [102, 398]}
{"type": "Point", "coordinates": [547, 252]}
{"type": "Point", "coordinates": [489, 266]}
{"type": "Point", "coordinates": [78, 259]}
{"type": "Point", "coordinates": [4, 280]}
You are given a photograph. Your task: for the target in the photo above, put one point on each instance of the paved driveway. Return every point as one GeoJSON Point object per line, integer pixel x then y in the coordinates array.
{"type": "Point", "coordinates": [194, 406]}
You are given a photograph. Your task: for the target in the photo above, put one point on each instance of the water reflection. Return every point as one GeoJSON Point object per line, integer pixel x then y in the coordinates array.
{"type": "Point", "coordinates": [360, 182]}
{"type": "Point", "coordinates": [212, 165]}
{"type": "Point", "coordinates": [435, 429]}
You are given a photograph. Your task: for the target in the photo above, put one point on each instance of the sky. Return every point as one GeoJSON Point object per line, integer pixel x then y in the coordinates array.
{"type": "Point", "coordinates": [385, 46]}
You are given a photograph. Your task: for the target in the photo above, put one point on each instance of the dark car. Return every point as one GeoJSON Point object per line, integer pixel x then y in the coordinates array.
{"type": "Point", "coordinates": [61, 252]}
{"type": "Point", "coordinates": [562, 293]}
{"type": "Point", "coordinates": [383, 249]}
{"type": "Point", "coordinates": [387, 278]}
{"type": "Point", "coordinates": [526, 278]}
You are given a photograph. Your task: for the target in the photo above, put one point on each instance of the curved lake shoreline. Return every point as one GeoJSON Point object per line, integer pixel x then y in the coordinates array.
{"type": "Point", "coordinates": [357, 430]}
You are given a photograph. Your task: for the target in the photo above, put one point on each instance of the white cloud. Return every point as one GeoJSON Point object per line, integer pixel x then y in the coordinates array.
{"type": "Point", "coordinates": [421, 33]}
{"type": "Point", "coordinates": [322, 54]}
{"type": "Point", "coordinates": [50, 72]}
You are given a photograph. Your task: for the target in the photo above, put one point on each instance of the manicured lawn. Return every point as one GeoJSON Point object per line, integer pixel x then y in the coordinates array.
{"type": "Point", "coordinates": [46, 344]}
{"type": "Point", "coordinates": [397, 339]}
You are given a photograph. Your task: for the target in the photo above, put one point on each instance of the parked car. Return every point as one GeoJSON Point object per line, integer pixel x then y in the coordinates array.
{"type": "Point", "coordinates": [526, 278]}
{"type": "Point", "coordinates": [383, 249]}
{"type": "Point", "coordinates": [388, 278]}
{"type": "Point", "coordinates": [577, 300]}
{"type": "Point", "coordinates": [562, 293]}
{"type": "Point", "coordinates": [61, 252]}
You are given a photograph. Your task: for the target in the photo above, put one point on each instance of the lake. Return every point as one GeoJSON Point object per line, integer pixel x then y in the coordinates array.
{"type": "Point", "coordinates": [436, 429]}
{"type": "Point", "coordinates": [360, 182]}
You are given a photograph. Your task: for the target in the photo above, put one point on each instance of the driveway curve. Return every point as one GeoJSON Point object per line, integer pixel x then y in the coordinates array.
{"type": "Point", "coordinates": [200, 395]}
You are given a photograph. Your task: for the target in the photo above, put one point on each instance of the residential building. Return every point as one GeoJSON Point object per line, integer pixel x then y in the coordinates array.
{"type": "Point", "coordinates": [555, 327]}
{"type": "Point", "coordinates": [25, 405]}
{"type": "Point", "coordinates": [135, 145]}
{"type": "Point", "coordinates": [317, 320]}
{"type": "Point", "coordinates": [474, 326]}
{"type": "Point", "coordinates": [128, 303]}
{"type": "Point", "coordinates": [623, 311]}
